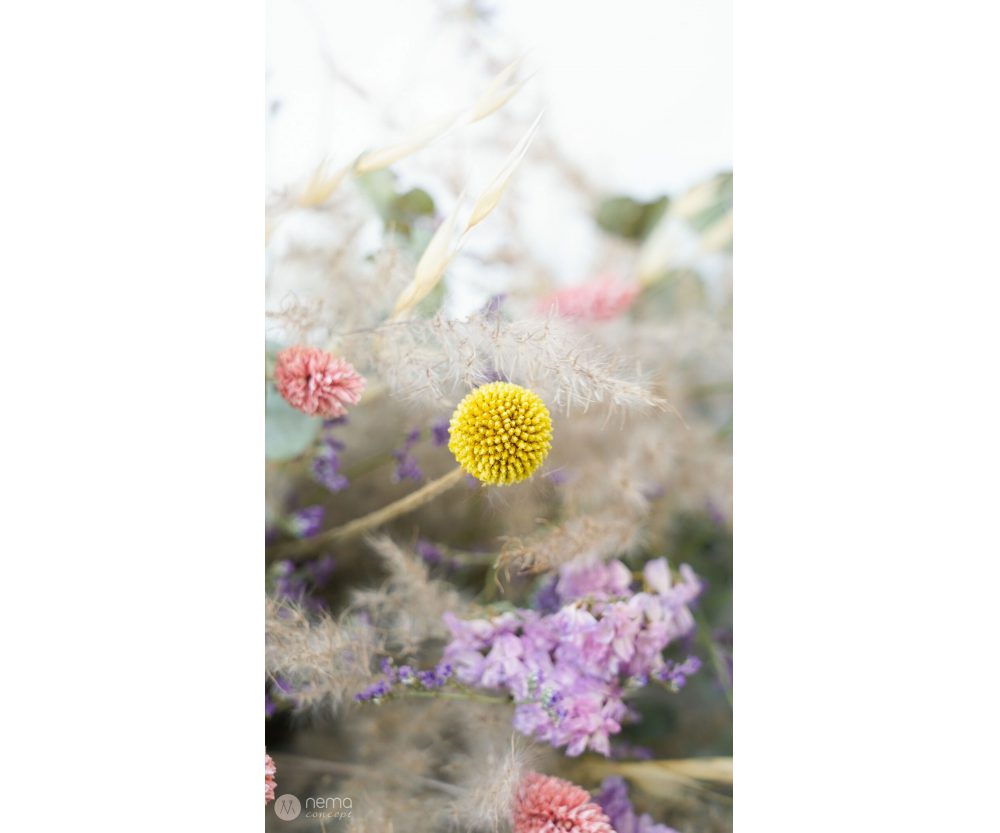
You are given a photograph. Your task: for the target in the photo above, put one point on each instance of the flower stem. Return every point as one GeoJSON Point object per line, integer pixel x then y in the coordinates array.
{"type": "Point", "coordinates": [718, 665]}
{"type": "Point", "coordinates": [458, 695]}
{"type": "Point", "coordinates": [366, 523]}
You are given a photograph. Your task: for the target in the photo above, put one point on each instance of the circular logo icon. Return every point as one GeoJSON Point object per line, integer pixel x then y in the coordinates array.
{"type": "Point", "coordinates": [287, 807]}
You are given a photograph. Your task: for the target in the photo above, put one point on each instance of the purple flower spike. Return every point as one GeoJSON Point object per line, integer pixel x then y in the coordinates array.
{"type": "Point", "coordinates": [306, 522]}
{"type": "Point", "coordinates": [407, 467]}
{"type": "Point", "coordinates": [431, 555]}
{"type": "Point", "coordinates": [614, 800]}
{"type": "Point", "coordinates": [440, 432]}
{"type": "Point", "coordinates": [326, 463]}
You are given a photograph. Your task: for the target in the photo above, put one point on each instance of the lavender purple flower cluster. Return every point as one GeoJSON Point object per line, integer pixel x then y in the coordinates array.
{"type": "Point", "coordinates": [298, 582]}
{"type": "Point", "coordinates": [568, 671]}
{"type": "Point", "coordinates": [404, 675]}
{"type": "Point", "coordinates": [614, 800]}
{"type": "Point", "coordinates": [326, 463]}
{"type": "Point", "coordinates": [407, 467]}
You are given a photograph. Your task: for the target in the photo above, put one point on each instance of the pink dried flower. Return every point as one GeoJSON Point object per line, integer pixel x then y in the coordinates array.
{"type": "Point", "coordinates": [317, 383]}
{"type": "Point", "coordinates": [600, 299]}
{"type": "Point", "coordinates": [269, 783]}
{"type": "Point", "coordinates": [545, 804]}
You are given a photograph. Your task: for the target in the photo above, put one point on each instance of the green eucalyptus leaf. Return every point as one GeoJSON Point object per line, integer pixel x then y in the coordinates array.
{"type": "Point", "coordinates": [414, 203]}
{"type": "Point", "coordinates": [621, 216]}
{"type": "Point", "coordinates": [380, 187]}
{"type": "Point", "coordinates": [630, 218]}
{"type": "Point", "coordinates": [287, 432]}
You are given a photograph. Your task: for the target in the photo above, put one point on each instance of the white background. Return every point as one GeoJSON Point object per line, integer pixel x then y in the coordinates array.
{"type": "Point", "coordinates": [638, 94]}
{"type": "Point", "coordinates": [866, 455]}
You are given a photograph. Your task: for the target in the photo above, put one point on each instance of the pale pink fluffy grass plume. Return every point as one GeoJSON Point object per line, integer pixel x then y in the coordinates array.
{"type": "Point", "coordinates": [317, 383]}
{"type": "Point", "coordinates": [545, 804]}
{"type": "Point", "coordinates": [269, 783]}
{"type": "Point", "coordinates": [599, 299]}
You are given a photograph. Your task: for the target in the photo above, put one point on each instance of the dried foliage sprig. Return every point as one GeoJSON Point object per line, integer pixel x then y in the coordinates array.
{"type": "Point", "coordinates": [372, 521]}
{"type": "Point", "coordinates": [433, 359]}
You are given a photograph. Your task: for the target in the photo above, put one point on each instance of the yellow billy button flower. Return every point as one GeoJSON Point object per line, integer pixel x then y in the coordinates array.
{"type": "Point", "coordinates": [500, 433]}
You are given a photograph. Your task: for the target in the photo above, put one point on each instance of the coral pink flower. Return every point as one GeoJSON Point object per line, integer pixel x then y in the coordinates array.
{"type": "Point", "coordinates": [600, 299]}
{"type": "Point", "coordinates": [317, 383]}
{"type": "Point", "coordinates": [545, 804]}
{"type": "Point", "coordinates": [269, 783]}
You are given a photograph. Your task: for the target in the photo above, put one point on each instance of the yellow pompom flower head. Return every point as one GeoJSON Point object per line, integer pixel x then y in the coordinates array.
{"type": "Point", "coordinates": [500, 433]}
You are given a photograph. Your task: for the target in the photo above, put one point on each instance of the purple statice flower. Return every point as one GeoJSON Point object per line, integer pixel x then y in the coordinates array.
{"type": "Point", "coordinates": [491, 309]}
{"type": "Point", "coordinates": [435, 677]}
{"type": "Point", "coordinates": [427, 680]}
{"type": "Point", "coordinates": [558, 477]}
{"type": "Point", "coordinates": [320, 570]}
{"type": "Point", "coordinates": [326, 463]}
{"type": "Point", "coordinates": [407, 467]}
{"type": "Point", "coordinates": [493, 374]}
{"type": "Point", "coordinates": [547, 599]}
{"type": "Point", "coordinates": [567, 671]}
{"type": "Point", "coordinates": [374, 693]}
{"type": "Point", "coordinates": [714, 513]}
{"type": "Point", "coordinates": [430, 553]}
{"type": "Point", "coordinates": [306, 522]}
{"type": "Point", "coordinates": [675, 674]}
{"type": "Point", "coordinates": [440, 432]}
{"type": "Point", "coordinates": [630, 752]}
{"type": "Point", "coordinates": [298, 582]}
{"type": "Point", "coordinates": [278, 693]}
{"type": "Point", "coordinates": [590, 578]}
{"type": "Point", "coordinates": [614, 800]}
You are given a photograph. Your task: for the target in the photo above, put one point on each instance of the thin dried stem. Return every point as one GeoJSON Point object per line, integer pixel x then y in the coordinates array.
{"type": "Point", "coordinates": [373, 520]}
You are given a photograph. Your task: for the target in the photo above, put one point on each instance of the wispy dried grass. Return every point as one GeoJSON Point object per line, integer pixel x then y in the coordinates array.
{"type": "Point", "coordinates": [598, 536]}
{"type": "Point", "coordinates": [325, 660]}
{"type": "Point", "coordinates": [490, 775]}
{"type": "Point", "coordinates": [407, 608]}
{"type": "Point", "coordinates": [437, 359]}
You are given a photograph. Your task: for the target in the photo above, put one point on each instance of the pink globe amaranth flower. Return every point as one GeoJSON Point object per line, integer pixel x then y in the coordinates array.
{"type": "Point", "coordinates": [317, 383]}
{"type": "Point", "coordinates": [545, 804]}
{"type": "Point", "coordinates": [599, 299]}
{"type": "Point", "coordinates": [269, 783]}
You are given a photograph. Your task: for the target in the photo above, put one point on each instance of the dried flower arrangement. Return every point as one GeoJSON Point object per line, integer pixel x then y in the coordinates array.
{"type": "Point", "coordinates": [498, 542]}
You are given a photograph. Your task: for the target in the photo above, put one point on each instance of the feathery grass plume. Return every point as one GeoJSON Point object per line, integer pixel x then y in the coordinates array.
{"type": "Point", "coordinates": [600, 536]}
{"type": "Point", "coordinates": [325, 661]}
{"type": "Point", "coordinates": [323, 278]}
{"type": "Point", "coordinates": [407, 608]}
{"type": "Point", "coordinates": [490, 775]}
{"type": "Point", "coordinates": [433, 359]}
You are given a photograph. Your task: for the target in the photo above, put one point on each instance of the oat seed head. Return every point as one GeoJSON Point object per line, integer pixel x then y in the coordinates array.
{"type": "Point", "coordinates": [501, 433]}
